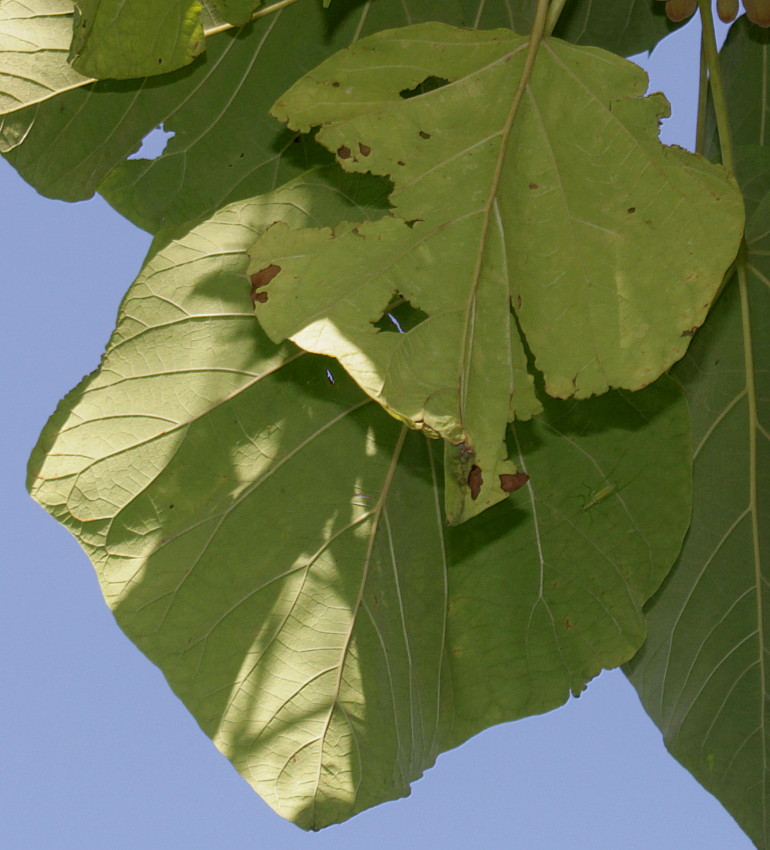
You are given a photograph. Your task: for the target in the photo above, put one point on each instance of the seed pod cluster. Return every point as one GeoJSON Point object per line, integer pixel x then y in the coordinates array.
{"type": "Point", "coordinates": [757, 11]}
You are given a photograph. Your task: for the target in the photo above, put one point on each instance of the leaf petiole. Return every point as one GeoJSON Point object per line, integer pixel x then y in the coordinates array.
{"type": "Point", "coordinates": [554, 11]}
{"type": "Point", "coordinates": [260, 13]}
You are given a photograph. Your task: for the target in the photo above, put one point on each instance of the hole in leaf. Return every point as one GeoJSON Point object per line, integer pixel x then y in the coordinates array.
{"type": "Point", "coordinates": [400, 317]}
{"type": "Point", "coordinates": [429, 84]}
{"type": "Point", "coordinates": [153, 144]}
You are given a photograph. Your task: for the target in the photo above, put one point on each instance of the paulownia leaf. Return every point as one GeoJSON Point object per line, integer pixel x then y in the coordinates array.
{"type": "Point", "coordinates": [34, 40]}
{"type": "Point", "coordinates": [122, 39]}
{"type": "Point", "coordinates": [704, 673]}
{"type": "Point", "coordinates": [225, 146]}
{"type": "Point", "coordinates": [561, 204]}
{"type": "Point", "coordinates": [275, 542]}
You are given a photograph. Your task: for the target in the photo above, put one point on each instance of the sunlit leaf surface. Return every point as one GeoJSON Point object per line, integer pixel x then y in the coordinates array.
{"type": "Point", "coordinates": [551, 208]}
{"type": "Point", "coordinates": [34, 41]}
{"type": "Point", "coordinates": [275, 542]}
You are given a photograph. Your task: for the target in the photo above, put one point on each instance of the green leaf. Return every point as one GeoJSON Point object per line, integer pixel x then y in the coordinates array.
{"type": "Point", "coordinates": [225, 147]}
{"type": "Point", "coordinates": [275, 542]}
{"type": "Point", "coordinates": [123, 39]}
{"type": "Point", "coordinates": [562, 205]}
{"type": "Point", "coordinates": [626, 28]}
{"type": "Point", "coordinates": [34, 40]}
{"type": "Point", "coordinates": [703, 673]}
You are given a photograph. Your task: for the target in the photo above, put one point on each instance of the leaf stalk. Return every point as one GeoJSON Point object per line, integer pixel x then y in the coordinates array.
{"type": "Point", "coordinates": [555, 10]}
{"type": "Point", "coordinates": [711, 54]}
{"type": "Point", "coordinates": [260, 13]}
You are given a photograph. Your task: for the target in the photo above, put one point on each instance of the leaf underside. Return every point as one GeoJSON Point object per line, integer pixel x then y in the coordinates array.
{"type": "Point", "coordinates": [703, 673]}
{"type": "Point", "coordinates": [275, 542]}
{"type": "Point", "coordinates": [560, 216]}
{"type": "Point", "coordinates": [286, 631]}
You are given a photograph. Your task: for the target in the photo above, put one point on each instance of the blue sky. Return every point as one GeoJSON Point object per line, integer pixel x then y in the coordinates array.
{"type": "Point", "coordinates": [98, 753]}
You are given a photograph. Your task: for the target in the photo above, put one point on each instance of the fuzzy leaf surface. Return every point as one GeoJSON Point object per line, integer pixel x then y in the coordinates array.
{"type": "Point", "coordinates": [704, 673]}
{"type": "Point", "coordinates": [275, 543]}
{"type": "Point", "coordinates": [561, 204]}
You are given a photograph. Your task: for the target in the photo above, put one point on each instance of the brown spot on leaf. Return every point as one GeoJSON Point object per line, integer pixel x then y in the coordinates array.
{"type": "Point", "coordinates": [401, 162]}
{"type": "Point", "coordinates": [631, 209]}
{"type": "Point", "coordinates": [260, 279]}
{"type": "Point", "coordinates": [365, 149]}
{"type": "Point", "coordinates": [518, 303]}
{"type": "Point", "coordinates": [511, 482]}
{"type": "Point", "coordinates": [475, 481]}
{"type": "Point", "coordinates": [691, 331]}
{"type": "Point", "coordinates": [336, 84]}
{"type": "Point", "coordinates": [567, 624]}
{"type": "Point", "coordinates": [343, 152]}
{"type": "Point", "coordinates": [424, 135]}
{"type": "Point", "coordinates": [533, 186]}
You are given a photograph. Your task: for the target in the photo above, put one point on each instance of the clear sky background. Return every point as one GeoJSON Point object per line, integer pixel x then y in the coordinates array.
{"type": "Point", "coordinates": [98, 754]}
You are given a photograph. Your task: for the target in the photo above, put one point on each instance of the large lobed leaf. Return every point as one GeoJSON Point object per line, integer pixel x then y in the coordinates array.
{"type": "Point", "coordinates": [225, 147]}
{"type": "Point", "coordinates": [561, 205]}
{"type": "Point", "coordinates": [275, 542]}
{"type": "Point", "coordinates": [703, 674]}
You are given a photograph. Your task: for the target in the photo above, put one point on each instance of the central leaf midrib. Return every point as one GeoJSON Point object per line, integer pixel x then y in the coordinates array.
{"type": "Point", "coordinates": [469, 324]}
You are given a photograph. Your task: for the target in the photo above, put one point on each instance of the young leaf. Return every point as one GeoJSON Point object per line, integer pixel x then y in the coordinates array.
{"type": "Point", "coordinates": [552, 196]}
{"type": "Point", "coordinates": [275, 542]}
{"type": "Point", "coordinates": [703, 673]}
{"type": "Point", "coordinates": [123, 39]}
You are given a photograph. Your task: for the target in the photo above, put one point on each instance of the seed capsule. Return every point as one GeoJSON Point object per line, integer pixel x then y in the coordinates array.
{"type": "Point", "coordinates": [727, 10]}
{"type": "Point", "coordinates": [678, 10]}
{"type": "Point", "coordinates": [758, 11]}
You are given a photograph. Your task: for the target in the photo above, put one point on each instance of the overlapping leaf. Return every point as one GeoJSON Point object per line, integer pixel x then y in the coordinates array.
{"type": "Point", "coordinates": [561, 204]}
{"type": "Point", "coordinates": [275, 542]}
{"type": "Point", "coordinates": [122, 39]}
{"type": "Point", "coordinates": [34, 41]}
{"type": "Point", "coordinates": [704, 673]}
{"type": "Point", "coordinates": [225, 146]}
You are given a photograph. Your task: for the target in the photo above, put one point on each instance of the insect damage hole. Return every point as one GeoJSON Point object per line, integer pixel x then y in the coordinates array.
{"type": "Point", "coordinates": [400, 316]}
{"type": "Point", "coordinates": [429, 84]}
